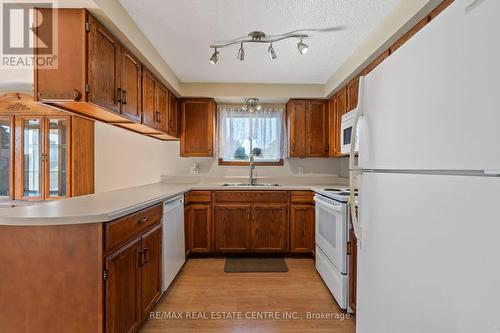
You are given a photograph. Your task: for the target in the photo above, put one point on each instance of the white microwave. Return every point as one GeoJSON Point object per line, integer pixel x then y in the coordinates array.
{"type": "Point", "coordinates": [346, 129]}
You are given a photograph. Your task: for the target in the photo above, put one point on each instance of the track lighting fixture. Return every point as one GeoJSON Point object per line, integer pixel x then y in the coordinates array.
{"type": "Point", "coordinates": [241, 53]}
{"type": "Point", "coordinates": [260, 37]}
{"type": "Point", "coordinates": [271, 52]}
{"type": "Point", "coordinates": [215, 57]}
{"type": "Point", "coordinates": [302, 47]}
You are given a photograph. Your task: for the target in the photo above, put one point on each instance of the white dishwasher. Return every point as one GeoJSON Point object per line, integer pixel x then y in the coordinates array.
{"type": "Point", "coordinates": [174, 253]}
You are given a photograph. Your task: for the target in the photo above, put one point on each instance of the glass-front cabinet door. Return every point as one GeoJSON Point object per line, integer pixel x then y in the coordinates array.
{"type": "Point", "coordinates": [6, 157]}
{"type": "Point", "coordinates": [57, 157]}
{"type": "Point", "coordinates": [30, 160]}
{"type": "Point", "coordinates": [42, 158]}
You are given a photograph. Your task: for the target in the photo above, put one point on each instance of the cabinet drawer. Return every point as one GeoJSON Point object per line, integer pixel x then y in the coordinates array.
{"type": "Point", "coordinates": [251, 196]}
{"type": "Point", "coordinates": [121, 230]}
{"type": "Point", "coordinates": [197, 197]}
{"type": "Point", "coordinates": [302, 197]}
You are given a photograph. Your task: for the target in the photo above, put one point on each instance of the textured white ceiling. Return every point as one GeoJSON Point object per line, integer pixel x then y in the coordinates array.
{"type": "Point", "coordinates": [182, 30]}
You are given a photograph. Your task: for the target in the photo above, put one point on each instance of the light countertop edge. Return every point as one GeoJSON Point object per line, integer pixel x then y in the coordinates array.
{"type": "Point", "coordinates": [110, 205]}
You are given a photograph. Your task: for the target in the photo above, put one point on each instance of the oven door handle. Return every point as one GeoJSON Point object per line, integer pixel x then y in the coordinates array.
{"type": "Point", "coordinates": [327, 206]}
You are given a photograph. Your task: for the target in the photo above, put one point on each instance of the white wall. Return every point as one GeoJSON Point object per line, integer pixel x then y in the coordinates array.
{"type": "Point", "coordinates": [124, 159]}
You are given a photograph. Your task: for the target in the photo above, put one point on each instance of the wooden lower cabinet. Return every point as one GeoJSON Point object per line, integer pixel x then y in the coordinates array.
{"type": "Point", "coordinates": [200, 225]}
{"type": "Point", "coordinates": [123, 292]}
{"type": "Point", "coordinates": [132, 272]}
{"type": "Point", "coordinates": [301, 228]}
{"type": "Point", "coordinates": [232, 230]}
{"type": "Point", "coordinates": [151, 269]}
{"type": "Point", "coordinates": [269, 228]}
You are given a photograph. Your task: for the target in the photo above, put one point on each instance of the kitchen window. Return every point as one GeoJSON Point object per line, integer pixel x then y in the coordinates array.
{"type": "Point", "coordinates": [242, 132]}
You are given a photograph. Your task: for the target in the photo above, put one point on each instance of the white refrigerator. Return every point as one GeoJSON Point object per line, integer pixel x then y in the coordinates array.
{"type": "Point", "coordinates": [428, 176]}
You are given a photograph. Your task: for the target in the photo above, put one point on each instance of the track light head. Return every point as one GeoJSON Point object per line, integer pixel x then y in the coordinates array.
{"type": "Point", "coordinates": [302, 47]}
{"type": "Point", "coordinates": [215, 57]}
{"type": "Point", "coordinates": [271, 52]}
{"type": "Point", "coordinates": [241, 53]}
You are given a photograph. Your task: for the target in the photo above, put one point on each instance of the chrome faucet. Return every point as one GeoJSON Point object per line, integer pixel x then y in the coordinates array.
{"type": "Point", "coordinates": [251, 179]}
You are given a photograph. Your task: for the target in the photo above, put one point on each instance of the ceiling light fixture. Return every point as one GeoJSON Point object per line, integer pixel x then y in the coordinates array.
{"type": "Point", "coordinates": [215, 57]}
{"type": "Point", "coordinates": [241, 53]}
{"type": "Point", "coordinates": [260, 37]}
{"type": "Point", "coordinates": [302, 47]}
{"type": "Point", "coordinates": [251, 104]}
{"type": "Point", "coordinates": [271, 52]}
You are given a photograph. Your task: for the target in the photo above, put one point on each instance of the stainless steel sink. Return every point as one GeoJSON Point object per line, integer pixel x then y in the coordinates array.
{"type": "Point", "coordinates": [252, 185]}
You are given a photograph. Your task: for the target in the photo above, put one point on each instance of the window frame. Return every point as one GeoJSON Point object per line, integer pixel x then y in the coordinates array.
{"type": "Point", "coordinates": [279, 162]}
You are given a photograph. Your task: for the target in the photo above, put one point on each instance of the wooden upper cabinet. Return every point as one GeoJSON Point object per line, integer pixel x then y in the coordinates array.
{"type": "Point", "coordinates": [162, 106]}
{"type": "Point", "coordinates": [378, 60]}
{"type": "Point", "coordinates": [97, 77]}
{"type": "Point", "coordinates": [332, 126]}
{"type": "Point", "coordinates": [352, 94]}
{"type": "Point", "coordinates": [198, 127]}
{"type": "Point", "coordinates": [308, 128]}
{"type": "Point", "coordinates": [316, 128]}
{"type": "Point", "coordinates": [173, 115]}
{"type": "Point", "coordinates": [338, 107]}
{"type": "Point", "coordinates": [149, 88]}
{"type": "Point", "coordinates": [296, 110]}
{"type": "Point", "coordinates": [104, 67]}
{"type": "Point", "coordinates": [131, 93]}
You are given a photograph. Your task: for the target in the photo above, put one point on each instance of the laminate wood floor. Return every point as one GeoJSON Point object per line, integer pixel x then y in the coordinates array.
{"type": "Point", "coordinates": [205, 299]}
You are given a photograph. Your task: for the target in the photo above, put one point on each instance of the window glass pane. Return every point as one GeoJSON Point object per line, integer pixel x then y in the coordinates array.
{"type": "Point", "coordinates": [32, 157]}
{"type": "Point", "coordinates": [241, 132]}
{"type": "Point", "coordinates": [57, 157]}
{"type": "Point", "coordinates": [5, 155]}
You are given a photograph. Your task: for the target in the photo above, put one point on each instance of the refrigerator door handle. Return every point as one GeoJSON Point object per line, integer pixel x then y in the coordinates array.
{"type": "Point", "coordinates": [355, 170]}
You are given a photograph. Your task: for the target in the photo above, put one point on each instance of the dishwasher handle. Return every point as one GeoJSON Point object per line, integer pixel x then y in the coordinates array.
{"type": "Point", "coordinates": [173, 203]}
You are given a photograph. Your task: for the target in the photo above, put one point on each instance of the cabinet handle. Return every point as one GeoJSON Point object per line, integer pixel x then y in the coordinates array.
{"type": "Point", "coordinates": [141, 258]}
{"type": "Point", "coordinates": [143, 220]}
{"type": "Point", "coordinates": [124, 97]}
{"type": "Point", "coordinates": [146, 255]}
{"type": "Point", "coordinates": [171, 123]}
{"type": "Point", "coordinates": [326, 147]}
{"type": "Point", "coordinates": [119, 95]}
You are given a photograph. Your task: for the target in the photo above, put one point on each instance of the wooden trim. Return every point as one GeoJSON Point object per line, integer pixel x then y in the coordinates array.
{"type": "Point", "coordinates": [242, 163]}
{"type": "Point", "coordinates": [10, 119]}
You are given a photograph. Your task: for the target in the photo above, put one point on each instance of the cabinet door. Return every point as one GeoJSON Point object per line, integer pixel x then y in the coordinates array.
{"type": "Point", "coordinates": [173, 115]}
{"type": "Point", "coordinates": [200, 228]}
{"type": "Point", "coordinates": [198, 124]}
{"type": "Point", "coordinates": [29, 158]}
{"type": "Point", "coordinates": [232, 230]}
{"type": "Point", "coordinates": [301, 228]}
{"type": "Point", "coordinates": [149, 87]}
{"type": "Point", "coordinates": [122, 288]}
{"type": "Point", "coordinates": [297, 124]}
{"type": "Point", "coordinates": [151, 269]}
{"type": "Point", "coordinates": [352, 94]}
{"type": "Point", "coordinates": [316, 128]}
{"type": "Point", "coordinates": [131, 85]}
{"type": "Point", "coordinates": [57, 157]}
{"type": "Point", "coordinates": [6, 157]}
{"type": "Point", "coordinates": [269, 228]}
{"type": "Point", "coordinates": [104, 67]}
{"type": "Point", "coordinates": [341, 109]}
{"type": "Point", "coordinates": [332, 126]}
{"type": "Point", "coordinates": [162, 107]}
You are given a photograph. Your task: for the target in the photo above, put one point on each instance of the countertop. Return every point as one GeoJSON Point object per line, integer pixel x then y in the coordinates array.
{"type": "Point", "coordinates": [107, 206]}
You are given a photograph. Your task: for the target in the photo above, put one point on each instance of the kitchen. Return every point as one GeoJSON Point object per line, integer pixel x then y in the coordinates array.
{"type": "Point", "coordinates": [165, 179]}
